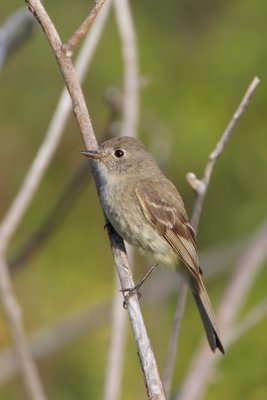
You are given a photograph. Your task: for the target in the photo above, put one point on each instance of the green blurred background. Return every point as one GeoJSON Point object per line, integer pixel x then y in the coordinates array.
{"type": "Point", "coordinates": [197, 58]}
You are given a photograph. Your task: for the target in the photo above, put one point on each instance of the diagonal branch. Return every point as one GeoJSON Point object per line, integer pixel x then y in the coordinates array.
{"type": "Point", "coordinates": [252, 317]}
{"type": "Point", "coordinates": [149, 367]}
{"type": "Point", "coordinates": [84, 27]}
{"type": "Point", "coordinates": [17, 210]}
{"type": "Point", "coordinates": [244, 274]}
{"type": "Point", "coordinates": [201, 187]}
{"type": "Point", "coordinates": [173, 341]}
{"type": "Point", "coordinates": [12, 309]}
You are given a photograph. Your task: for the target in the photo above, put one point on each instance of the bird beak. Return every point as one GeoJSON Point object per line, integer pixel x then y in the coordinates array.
{"type": "Point", "coordinates": [95, 154]}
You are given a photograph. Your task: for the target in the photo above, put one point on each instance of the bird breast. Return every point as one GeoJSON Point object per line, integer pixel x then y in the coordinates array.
{"type": "Point", "coordinates": [123, 210]}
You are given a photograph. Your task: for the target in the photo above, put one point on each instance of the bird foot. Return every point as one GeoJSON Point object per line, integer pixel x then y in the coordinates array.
{"type": "Point", "coordinates": [128, 292]}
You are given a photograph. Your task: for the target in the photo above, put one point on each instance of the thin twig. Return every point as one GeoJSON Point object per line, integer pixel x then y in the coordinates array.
{"type": "Point", "coordinates": [84, 27]}
{"type": "Point", "coordinates": [244, 274]}
{"type": "Point", "coordinates": [12, 310]}
{"type": "Point", "coordinates": [255, 315]}
{"type": "Point", "coordinates": [131, 70]}
{"type": "Point", "coordinates": [204, 183]}
{"type": "Point", "coordinates": [201, 187]}
{"type": "Point", "coordinates": [130, 108]}
{"type": "Point", "coordinates": [115, 360]}
{"type": "Point", "coordinates": [174, 339]}
{"type": "Point", "coordinates": [18, 209]}
{"type": "Point", "coordinates": [149, 366]}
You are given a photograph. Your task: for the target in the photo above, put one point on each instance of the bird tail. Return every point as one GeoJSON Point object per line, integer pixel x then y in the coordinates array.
{"type": "Point", "coordinates": [207, 315]}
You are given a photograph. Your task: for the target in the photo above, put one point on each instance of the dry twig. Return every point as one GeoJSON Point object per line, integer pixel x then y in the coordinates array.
{"type": "Point", "coordinates": [249, 321]}
{"type": "Point", "coordinates": [115, 360]}
{"type": "Point", "coordinates": [201, 186]}
{"type": "Point", "coordinates": [131, 70]}
{"type": "Point", "coordinates": [173, 342]}
{"type": "Point", "coordinates": [84, 27]}
{"type": "Point", "coordinates": [149, 367]}
{"type": "Point", "coordinates": [12, 310]}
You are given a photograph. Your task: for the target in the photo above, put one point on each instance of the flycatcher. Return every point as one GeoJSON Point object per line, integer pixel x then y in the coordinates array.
{"type": "Point", "coordinates": [146, 210]}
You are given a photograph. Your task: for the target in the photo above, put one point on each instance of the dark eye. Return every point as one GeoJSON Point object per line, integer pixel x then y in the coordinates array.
{"type": "Point", "coordinates": [119, 153]}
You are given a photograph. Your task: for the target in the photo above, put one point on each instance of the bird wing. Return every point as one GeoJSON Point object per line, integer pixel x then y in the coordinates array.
{"type": "Point", "coordinates": [172, 223]}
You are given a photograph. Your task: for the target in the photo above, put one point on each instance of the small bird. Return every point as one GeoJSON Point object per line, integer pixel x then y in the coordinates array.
{"type": "Point", "coordinates": [147, 211]}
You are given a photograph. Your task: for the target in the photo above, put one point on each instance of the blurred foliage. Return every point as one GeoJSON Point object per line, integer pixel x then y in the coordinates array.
{"type": "Point", "coordinates": [197, 58]}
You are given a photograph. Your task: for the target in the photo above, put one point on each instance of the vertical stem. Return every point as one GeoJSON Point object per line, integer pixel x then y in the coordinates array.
{"type": "Point", "coordinates": [174, 339]}
{"type": "Point", "coordinates": [131, 70]}
{"type": "Point", "coordinates": [116, 348]}
{"type": "Point", "coordinates": [129, 127]}
{"type": "Point", "coordinates": [12, 309]}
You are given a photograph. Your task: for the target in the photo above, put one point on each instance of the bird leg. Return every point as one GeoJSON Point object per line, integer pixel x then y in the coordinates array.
{"type": "Point", "coordinates": [135, 289]}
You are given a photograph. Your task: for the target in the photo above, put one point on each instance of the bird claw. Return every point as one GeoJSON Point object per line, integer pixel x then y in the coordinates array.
{"type": "Point", "coordinates": [129, 292]}
{"type": "Point", "coordinates": [135, 289]}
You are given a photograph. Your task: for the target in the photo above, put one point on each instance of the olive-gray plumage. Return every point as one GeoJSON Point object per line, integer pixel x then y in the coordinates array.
{"type": "Point", "coordinates": [146, 210]}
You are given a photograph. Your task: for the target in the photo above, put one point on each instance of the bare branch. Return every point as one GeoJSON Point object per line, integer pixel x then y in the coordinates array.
{"type": "Point", "coordinates": [68, 72]}
{"type": "Point", "coordinates": [173, 342]}
{"type": "Point", "coordinates": [247, 268]}
{"type": "Point", "coordinates": [117, 344]}
{"type": "Point", "coordinates": [131, 70]}
{"type": "Point", "coordinates": [149, 367]}
{"type": "Point", "coordinates": [244, 274]}
{"type": "Point", "coordinates": [146, 356]}
{"type": "Point", "coordinates": [201, 187]}
{"type": "Point", "coordinates": [14, 318]}
{"type": "Point", "coordinates": [130, 108]}
{"type": "Point", "coordinates": [84, 27]}
{"type": "Point", "coordinates": [14, 216]}
{"type": "Point", "coordinates": [249, 321]}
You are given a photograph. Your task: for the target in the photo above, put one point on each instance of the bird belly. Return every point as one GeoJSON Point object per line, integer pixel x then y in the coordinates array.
{"type": "Point", "coordinates": [129, 222]}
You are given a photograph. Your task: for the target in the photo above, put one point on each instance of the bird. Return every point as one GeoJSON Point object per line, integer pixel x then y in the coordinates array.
{"type": "Point", "coordinates": [145, 209]}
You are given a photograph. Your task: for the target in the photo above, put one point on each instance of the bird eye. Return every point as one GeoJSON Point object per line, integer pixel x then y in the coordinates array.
{"type": "Point", "coordinates": [119, 153]}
